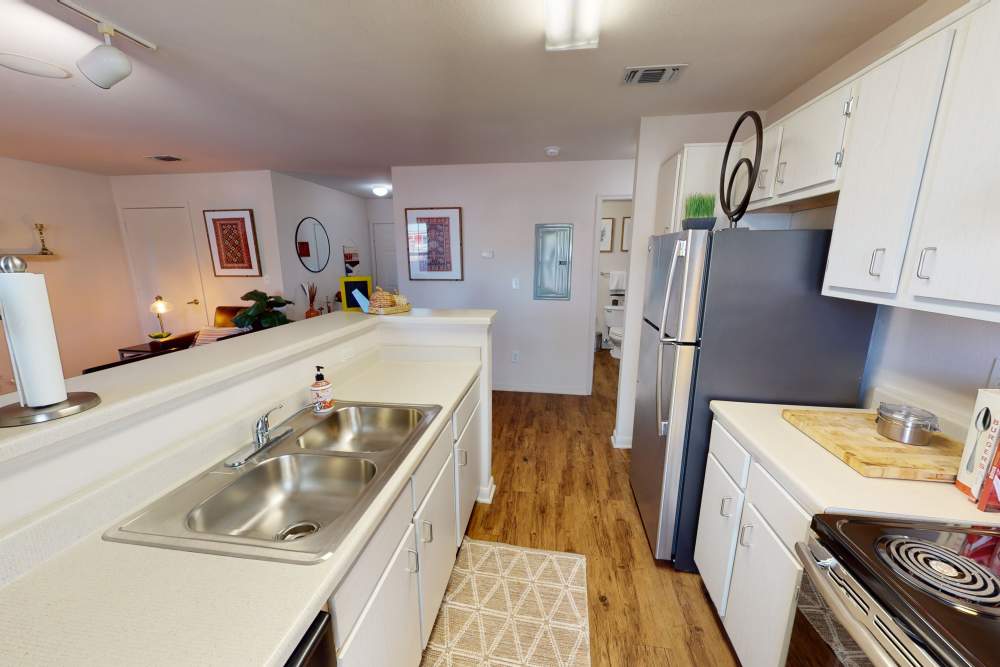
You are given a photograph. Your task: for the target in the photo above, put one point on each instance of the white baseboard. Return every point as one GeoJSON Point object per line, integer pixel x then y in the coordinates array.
{"type": "Point", "coordinates": [486, 493]}
{"type": "Point", "coordinates": [621, 442]}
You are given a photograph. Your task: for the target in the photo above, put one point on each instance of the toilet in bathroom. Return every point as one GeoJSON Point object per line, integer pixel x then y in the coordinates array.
{"type": "Point", "coordinates": [614, 319]}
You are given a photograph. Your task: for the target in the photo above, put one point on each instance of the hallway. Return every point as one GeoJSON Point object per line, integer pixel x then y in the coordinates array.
{"type": "Point", "coordinates": [561, 486]}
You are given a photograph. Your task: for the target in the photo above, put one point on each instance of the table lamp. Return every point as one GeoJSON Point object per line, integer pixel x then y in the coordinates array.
{"type": "Point", "coordinates": [159, 306]}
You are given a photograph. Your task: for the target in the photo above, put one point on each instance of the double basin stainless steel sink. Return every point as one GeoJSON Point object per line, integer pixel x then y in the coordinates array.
{"type": "Point", "coordinates": [294, 500]}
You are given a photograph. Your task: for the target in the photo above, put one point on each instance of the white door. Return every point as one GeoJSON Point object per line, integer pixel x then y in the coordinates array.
{"type": "Point", "coordinates": [467, 461]}
{"type": "Point", "coordinates": [811, 138]}
{"type": "Point", "coordinates": [388, 630]}
{"type": "Point", "coordinates": [436, 525]}
{"type": "Point", "coordinates": [666, 195]}
{"type": "Point", "coordinates": [160, 246]}
{"type": "Point", "coordinates": [718, 527]}
{"type": "Point", "coordinates": [763, 594]}
{"type": "Point", "coordinates": [891, 125]}
{"type": "Point", "coordinates": [384, 240]}
{"type": "Point", "coordinates": [954, 256]}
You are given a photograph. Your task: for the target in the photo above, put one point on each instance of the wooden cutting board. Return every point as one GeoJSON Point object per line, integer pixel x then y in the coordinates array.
{"type": "Point", "coordinates": [851, 437]}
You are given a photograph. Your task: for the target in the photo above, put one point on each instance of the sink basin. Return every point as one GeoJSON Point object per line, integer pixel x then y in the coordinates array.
{"type": "Point", "coordinates": [284, 498]}
{"type": "Point", "coordinates": [363, 428]}
{"type": "Point", "coordinates": [292, 501]}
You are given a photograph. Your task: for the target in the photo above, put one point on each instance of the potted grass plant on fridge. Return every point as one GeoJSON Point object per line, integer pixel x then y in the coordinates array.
{"type": "Point", "coordinates": [699, 212]}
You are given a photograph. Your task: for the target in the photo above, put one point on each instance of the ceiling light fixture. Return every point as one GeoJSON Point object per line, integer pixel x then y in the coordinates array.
{"type": "Point", "coordinates": [552, 151]}
{"type": "Point", "coordinates": [572, 24]}
{"type": "Point", "coordinates": [97, 18]}
{"type": "Point", "coordinates": [105, 65]}
{"type": "Point", "coordinates": [380, 190]}
{"type": "Point", "coordinates": [32, 66]}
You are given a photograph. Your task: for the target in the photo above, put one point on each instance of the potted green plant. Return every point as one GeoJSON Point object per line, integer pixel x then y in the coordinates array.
{"type": "Point", "coordinates": [263, 313]}
{"type": "Point", "coordinates": [699, 211]}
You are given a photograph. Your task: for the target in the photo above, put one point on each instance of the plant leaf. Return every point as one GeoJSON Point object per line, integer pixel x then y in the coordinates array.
{"type": "Point", "coordinates": [255, 295]}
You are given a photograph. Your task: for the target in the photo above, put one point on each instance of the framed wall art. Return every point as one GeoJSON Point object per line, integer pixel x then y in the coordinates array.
{"type": "Point", "coordinates": [232, 239]}
{"type": "Point", "coordinates": [606, 243]}
{"type": "Point", "coordinates": [626, 242]}
{"type": "Point", "coordinates": [434, 243]}
{"type": "Point", "coordinates": [347, 286]}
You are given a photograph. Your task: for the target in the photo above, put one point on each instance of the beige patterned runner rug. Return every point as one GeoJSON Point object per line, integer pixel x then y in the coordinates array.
{"type": "Point", "coordinates": [508, 606]}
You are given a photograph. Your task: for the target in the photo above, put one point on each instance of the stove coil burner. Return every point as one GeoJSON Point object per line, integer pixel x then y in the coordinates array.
{"type": "Point", "coordinates": [942, 573]}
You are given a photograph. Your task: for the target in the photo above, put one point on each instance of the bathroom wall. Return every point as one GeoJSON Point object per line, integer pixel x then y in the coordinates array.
{"type": "Point", "coordinates": [616, 260]}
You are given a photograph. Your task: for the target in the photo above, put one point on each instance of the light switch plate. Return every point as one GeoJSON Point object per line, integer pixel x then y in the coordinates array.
{"type": "Point", "coordinates": [515, 283]}
{"type": "Point", "coordinates": [486, 254]}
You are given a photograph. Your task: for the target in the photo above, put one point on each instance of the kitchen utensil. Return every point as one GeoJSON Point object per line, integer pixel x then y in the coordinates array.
{"type": "Point", "coordinates": [983, 419]}
{"type": "Point", "coordinates": [906, 424]}
{"type": "Point", "coordinates": [851, 436]}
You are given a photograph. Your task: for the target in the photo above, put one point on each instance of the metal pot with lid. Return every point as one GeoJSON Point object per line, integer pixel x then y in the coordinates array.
{"type": "Point", "coordinates": [905, 423]}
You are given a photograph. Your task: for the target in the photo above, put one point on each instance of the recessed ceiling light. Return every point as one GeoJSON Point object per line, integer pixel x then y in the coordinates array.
{"type": "Point", "coordinates": [32, 66]}
{"type": "Point", "coordinates": [572, 24]}
{"type": "Point", "coordinates": [552, 151]}
{"type": "Point", "coordinates": [380, 190]}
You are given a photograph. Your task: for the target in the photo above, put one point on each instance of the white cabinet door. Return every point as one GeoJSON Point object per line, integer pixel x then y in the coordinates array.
{"type": "Point", "coordinates": [954, 256]}
{"type": "Point", "coordinates": [891, 124]}
{"type": "Point", "coordinates": [810, 142]}
{"type": "Point", "coordinates": [763, 594]}
{"type": "Point", "coordinates": [436, 524]}
{"type": "Point", "coordinates": [388, 630]}
{"type": "Point", "coordinates": [666, 195]}
{"type": "Point", "coordinates": [764, 188]}
{"type": "Point", "coordinates": [718, 527]}
{"type": "Point", "coordinates": [467, 461]}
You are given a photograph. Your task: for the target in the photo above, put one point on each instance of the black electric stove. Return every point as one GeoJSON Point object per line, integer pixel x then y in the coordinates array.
{"type": "Point", "coordinates": [938, 583]}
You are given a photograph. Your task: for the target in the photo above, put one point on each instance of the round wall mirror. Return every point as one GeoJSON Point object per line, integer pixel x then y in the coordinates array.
{"type": "Point", "coordinates": [312, 244]}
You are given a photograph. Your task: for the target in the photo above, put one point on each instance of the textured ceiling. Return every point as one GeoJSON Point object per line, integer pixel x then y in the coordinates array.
{"type": "Point", "coordinates": [341, 90]}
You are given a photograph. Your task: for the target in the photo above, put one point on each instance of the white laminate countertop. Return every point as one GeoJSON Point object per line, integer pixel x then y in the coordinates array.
{"type": "Point", "coordinates": [822, 483]}
{"type": "Point", "coordinates": [105, 603]}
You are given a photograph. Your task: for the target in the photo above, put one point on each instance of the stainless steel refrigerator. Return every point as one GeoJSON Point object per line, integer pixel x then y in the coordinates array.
{"type": "Point", "coordinates": [730, 315]}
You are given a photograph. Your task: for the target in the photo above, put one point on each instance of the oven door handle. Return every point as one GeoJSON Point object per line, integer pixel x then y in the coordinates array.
{"type": "Point", "coordinates": [859, 633]}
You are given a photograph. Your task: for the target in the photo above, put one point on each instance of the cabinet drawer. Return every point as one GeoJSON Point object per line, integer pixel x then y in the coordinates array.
{"type": "Point", "coordinates": [429, 468]}
{"type": "Point", "coordinates": [734, 459]}
{"type": "Point", "coordinates": [464, 410]}
{"type": "Point", "coordinates": [789, 521]}
{"type": "Point", "coordinates": [353, 592]}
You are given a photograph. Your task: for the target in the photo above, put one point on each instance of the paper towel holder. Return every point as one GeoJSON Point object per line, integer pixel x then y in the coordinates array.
{"type": "Point", "coordinates": [21, 415]}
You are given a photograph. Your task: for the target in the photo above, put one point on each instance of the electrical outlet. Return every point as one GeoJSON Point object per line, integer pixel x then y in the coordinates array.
{"type": "Point", "coordinates": [994, 381]}
{"type": "Point", "coordinates": [515, 356]}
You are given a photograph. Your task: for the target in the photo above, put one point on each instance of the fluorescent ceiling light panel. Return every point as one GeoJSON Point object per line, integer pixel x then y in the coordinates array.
{"type": "Point", "coordinates": [572, 24]}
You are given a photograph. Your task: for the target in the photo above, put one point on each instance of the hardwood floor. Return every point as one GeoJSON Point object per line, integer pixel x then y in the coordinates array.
{"type": "Point", "coordinates": [561, 486]}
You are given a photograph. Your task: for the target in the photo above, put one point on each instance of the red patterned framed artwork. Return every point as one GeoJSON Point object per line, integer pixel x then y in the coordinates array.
{"type": "Point", "coordinates": [232, 239]}
{"type": "Point", "coordinates": [434, 243]}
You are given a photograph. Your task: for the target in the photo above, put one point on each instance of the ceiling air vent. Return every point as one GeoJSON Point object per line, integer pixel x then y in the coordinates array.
{"type": "Point", "coordinates": [164, 158]}
{"type": "Point", "coordinates": [651, 74]}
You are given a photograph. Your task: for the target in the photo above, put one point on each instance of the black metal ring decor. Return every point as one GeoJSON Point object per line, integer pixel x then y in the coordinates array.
{"type": "Point", "coordinates": [725, 193]}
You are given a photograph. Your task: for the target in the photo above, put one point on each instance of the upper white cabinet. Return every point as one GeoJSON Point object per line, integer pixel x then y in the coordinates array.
{"type": "Point", "coordinates": [812, 142]}
{"type": "Point", "coordinates": [695, 170]}
{"type": "Point", "coordinates": [764, 187]}
{"type": "Point", "coordinates": [891, 124]}
{"type": "Point", "coordinates": [666, 194]}
{"type": "Point", "coordinates": [957, 233]}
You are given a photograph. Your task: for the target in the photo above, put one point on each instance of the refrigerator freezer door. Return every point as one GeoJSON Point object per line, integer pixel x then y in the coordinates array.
{"type": "Point", "coordinates": [666, 372]}
{"type": "Point", "coordinates": [675, 279]}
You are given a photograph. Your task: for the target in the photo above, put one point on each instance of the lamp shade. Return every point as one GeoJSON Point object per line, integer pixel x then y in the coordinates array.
{"type": "Point", "coordinates": [159, 306]}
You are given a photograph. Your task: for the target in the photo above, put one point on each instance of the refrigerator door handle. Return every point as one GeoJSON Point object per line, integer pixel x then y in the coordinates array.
{"type": "Point", "coordinates": [661, 424]}
{"type": "Point", "coordinates": [680, 249]}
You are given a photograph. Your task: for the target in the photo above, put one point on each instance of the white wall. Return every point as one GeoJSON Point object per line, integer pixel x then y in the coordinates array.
{"type": "Point", "coordinates": [345, 219]}
{"type": "Point", "coordinates": [220, 190]}
{"type": "Point", "coordinates": [501, 204]}
{"type": "Point", "coordinates": [90, 289]}
{"type": "Point", "coordinates": [616, 260]}
{"type": "Point", "coordinates": [659, 138]}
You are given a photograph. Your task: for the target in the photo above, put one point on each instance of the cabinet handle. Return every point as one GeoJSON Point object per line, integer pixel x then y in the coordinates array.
{"type": "Point", "coordinates": [427, 535]}
{"type": "Point", "coordinates": [760, 179]}
{"type": "Point", "coordinates": [463, 457]}
{"type": "Point", "coordinates": [780, 175]}
{"type": "Point", "coordinates": [724, 507]}
{"type": "Point", "coordinates": [414, 564]}
{"type": "Point", "coordinates": [194, 302]}
{"type": "Point", "coordinates": [871, 264]}
{"type": "Point", "coordinates": [920, 264]}
{"type": "Point", "coordinates": [745, 535]}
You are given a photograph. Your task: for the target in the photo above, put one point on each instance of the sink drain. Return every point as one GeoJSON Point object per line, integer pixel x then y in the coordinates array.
{"type": "Point", "coordinates": [297, 531]}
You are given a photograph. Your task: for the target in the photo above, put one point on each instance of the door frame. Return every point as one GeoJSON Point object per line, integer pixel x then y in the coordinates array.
{"type": "Point", "coordinates": [595, 234]}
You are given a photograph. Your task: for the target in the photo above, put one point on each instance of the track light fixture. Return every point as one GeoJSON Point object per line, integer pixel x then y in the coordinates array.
{"type": "Point", "coordinates": [105, 65]}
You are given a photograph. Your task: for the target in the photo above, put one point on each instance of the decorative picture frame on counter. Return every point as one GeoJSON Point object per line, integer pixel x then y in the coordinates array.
{"type": "Point", "coordinates": [232, 240]}
{"type": "Point", "coordinates": [606, 241]}
{"type": "Point", "coordinates": [434, 243]}
{"type": "Point", "coordinates": [626, 242]}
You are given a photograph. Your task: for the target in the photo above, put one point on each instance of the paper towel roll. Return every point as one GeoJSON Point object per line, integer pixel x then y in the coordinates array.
{"type": "Point", "coordinates": [31, 338]}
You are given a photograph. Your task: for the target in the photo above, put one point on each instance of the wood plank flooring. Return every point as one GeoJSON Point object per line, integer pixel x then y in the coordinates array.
{"type": "Point", "coordinates": [561, 486]}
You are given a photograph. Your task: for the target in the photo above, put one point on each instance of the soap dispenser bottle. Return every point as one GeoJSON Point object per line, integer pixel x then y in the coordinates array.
{"type": "Point", "coordinates": [321, 393]}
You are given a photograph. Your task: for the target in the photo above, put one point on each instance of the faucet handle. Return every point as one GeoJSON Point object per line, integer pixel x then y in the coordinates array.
{"type": "Point", "coordinates": [263, 424]}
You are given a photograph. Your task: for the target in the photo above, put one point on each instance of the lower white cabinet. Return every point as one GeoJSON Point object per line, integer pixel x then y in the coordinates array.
{"type": "Point", "coordinates": [388, 630]}
{"type": "Point", "coordinates": [468, 460]}
{"type": "Point", "coordinates": [718, 527]}
{"type": "Point", "coordinates": [436, 528]}
{"type": "Point", "coordinates": [763, 594]}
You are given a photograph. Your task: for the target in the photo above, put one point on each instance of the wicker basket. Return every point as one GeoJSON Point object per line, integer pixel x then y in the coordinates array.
{"type": "Point", "coordinates": [391, 310]}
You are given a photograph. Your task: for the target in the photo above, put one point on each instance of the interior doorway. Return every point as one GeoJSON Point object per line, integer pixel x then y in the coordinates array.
{"type": "Point", "coordinates": [384, 246]}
